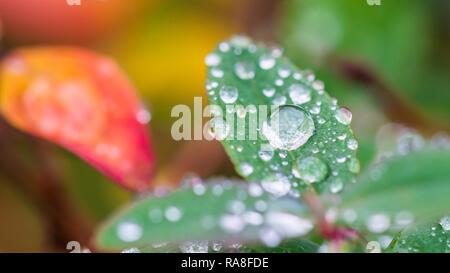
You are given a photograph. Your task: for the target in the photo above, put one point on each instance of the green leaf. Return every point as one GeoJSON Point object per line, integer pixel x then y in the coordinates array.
{"type": "Point", "coordinates": [288, 246]}
{"type": "Point", "coordinates": [295, 245]}
{"type": "Point", "coordinates": [421, 238]}
{"type": "Point", "coordinates": [213, 212]}
{"type": "Point", "coordinates": [314, 146]}
{"type": "Point", "coordinates": [400, 189]}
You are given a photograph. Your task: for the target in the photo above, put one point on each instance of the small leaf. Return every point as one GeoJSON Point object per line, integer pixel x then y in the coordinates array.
{"type": "Point", "coordinates": [421, 238]}
{"type": "Point", "coordinates": [312, 144]}
{"type": "Point", "coordinates": [401, 189]}
{"type": "Point", "coordinates": [83, 102]}
{"type": "Point", "coordinates": [219, 211]}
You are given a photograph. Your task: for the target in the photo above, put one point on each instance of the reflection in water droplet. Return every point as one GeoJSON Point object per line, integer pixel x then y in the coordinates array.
{"type": "Point", "coordinates": [312, 169]}
{"type": "Point", "coordinates": [288, 128]}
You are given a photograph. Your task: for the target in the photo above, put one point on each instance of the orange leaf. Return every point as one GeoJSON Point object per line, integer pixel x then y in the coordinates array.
{"type": "Point", "coordinates": [83, 102]}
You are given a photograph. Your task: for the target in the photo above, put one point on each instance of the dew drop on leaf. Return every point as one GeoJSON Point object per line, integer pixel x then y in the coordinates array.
{"type": "Point", "coordinates": [312, 169]}
{"type": "Point", "coordinates": [299, 94]}
{"type": "Point", "coordinates": [288, 128]}
{"type": "Point", "coordinates": [228, 94]}
{"type": "Point", "coordinates": [244, 70]}
{"type": "Point", "coordinates": [266, 62]}
{"type": "Point", "coordinates": [129, 231]}
{"type": "Point", "coordinates": [344, 116]}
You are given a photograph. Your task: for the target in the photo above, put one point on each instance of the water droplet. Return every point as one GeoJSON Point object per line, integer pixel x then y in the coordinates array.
{"type": "Point", "coordinates": [217, 246]}
{"type": "Point", "coordinates": [236, 206]}
{"type": "Point", "coordinates": [269, 237]}
{"type": "Point", "coordinates": [312, 169]}
{"type": "Point", "coordinates": [143, 116]}
{"type": "Point", "coordinates": [336, 185]}
{"type": "Point", "coordinates": [299, 94]}
{"type": "Point", "coordinates": [131, 250]}
{"type": "Point", "coordinates": [253, 218]}
{"type": "Point", "coordinates": [255, 190]}
{"type": "Point", "coordinates": [284, 71]}
{"type": "Point", "coordinates": [354, 165]}
{"type": "Point", "coordinates": [219, 128]}
{"type": "Point", "coordinates": [266, 62]}
{"type": "Point", "coordinates": [244, 70]}
{"type": "Point", "coordinates": [344, 116]}
{"type": "Point", "coordinates": [240, 41]}
{"type": "Point", "coordinates": [260, 205]}
{"type": "Point", "coordinates": [173, 214]}
{"type": "Point", "coordinates": [318, 85]}
{"type": "Point", "coordinates": [129, 231]}
{"type": "Point", "coordinates": [194, 247]}
{"type": "Point", "coordinates": [268, 91]}
{"type": "Point", "coordinates": [445, 223]}
{"type": "Point", "coordinates": [277, 184]}
{"type": "Point", "coordinates": [265, 155]}
{"type": "Point", "coordinates": [246, 168]}
{"type": "Point", "coordinates": [288, 128]}
{"type": "Point", "coordinates": [212, 59]}
{"type": "Point", "coordinates": [216, 72]}
{"type": "Point", "coordinates": [378, 223]}
{"type": "Point", "coordinates": [228, 94]}
{"type": "Point", "coordinates": [232, 223]}
{"type": "Point", "coordinates": [279, 100]}
{"type": "Point", "coordinates": [224, 47]}
{"type": "Point", "coordinates": [199, 189]}
{"type": "Point", "coordinates": [352, 144]}
{"type": "Point", "coordinates": [288, 225]}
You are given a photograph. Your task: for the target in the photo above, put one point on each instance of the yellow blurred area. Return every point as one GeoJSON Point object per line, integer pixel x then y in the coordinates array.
{"type": "Point", "coordinates": [164, 52]}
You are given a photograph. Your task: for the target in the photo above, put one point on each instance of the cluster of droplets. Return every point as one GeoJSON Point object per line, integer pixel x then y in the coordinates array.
{"type": "Point", "coordinates": [247, 209]}
{"type": "Point", "coordinates": [303, 111]}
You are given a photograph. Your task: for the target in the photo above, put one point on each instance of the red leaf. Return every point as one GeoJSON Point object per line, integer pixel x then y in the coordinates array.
{"type": "Point", "coordinates": [83, 102]}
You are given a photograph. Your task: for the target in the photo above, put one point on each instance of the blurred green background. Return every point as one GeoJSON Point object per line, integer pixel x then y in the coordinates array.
{"type": "Point", "coordinates": [161, 44]}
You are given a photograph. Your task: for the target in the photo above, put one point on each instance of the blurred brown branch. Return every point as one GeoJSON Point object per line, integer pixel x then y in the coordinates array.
{"type": "Point", "coordinates": [43, 185]}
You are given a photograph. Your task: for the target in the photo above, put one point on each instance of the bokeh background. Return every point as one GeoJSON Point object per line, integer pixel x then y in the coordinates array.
{"type": "Point", "coordinates": [387, 63]}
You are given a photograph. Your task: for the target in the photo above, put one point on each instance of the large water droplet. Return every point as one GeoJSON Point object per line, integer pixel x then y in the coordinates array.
{"type": "Point", "coordinates": [299, 94]}
{"type": "Point", "coordinates": [244, 70]}
{"type": "Point", "coordinates": [288, 128]}
{"type": "Point", "coordinates": [228, 94]}
{"type": "Point", "coordinates": [344, 116]}
{"type": "Point", "coordinates": [173, 214]}
{"type": "Point", "coordinates": [312, 169]}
